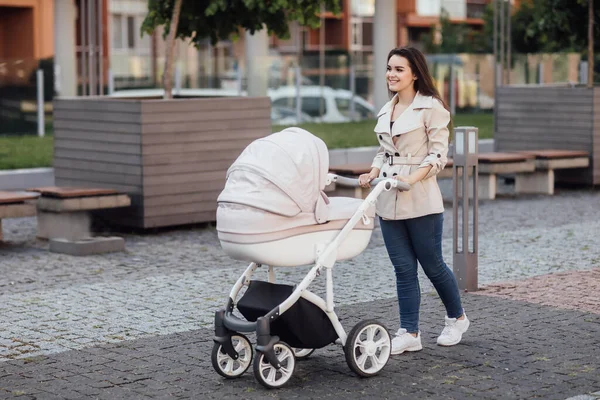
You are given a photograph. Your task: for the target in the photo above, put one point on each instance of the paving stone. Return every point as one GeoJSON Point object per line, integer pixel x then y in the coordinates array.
{"type": "Point", "coordinates": [146, 314]}
{"type": "Point", "coordinates": [583, 397]}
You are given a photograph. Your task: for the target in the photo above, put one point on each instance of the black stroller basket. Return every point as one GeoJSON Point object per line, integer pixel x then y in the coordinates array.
{"type": "Point", "coordinates": [304, 325]}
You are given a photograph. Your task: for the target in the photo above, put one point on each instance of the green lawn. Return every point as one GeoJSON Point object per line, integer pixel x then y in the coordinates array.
{"type": "Point", "coordinates": [33, 152]}
{"type": "Point", "coordinates": [358, 134]}
{"type": "Point", "coordinates": [25, 152]}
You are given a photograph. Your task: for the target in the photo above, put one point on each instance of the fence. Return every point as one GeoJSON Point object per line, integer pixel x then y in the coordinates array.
{"type": "Point", "coordinates": [302, 89]}
{"type": "Point", "coordinates": [19, 95]}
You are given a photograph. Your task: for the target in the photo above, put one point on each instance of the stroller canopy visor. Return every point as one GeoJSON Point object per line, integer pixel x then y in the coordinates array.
{"type": "Point", "coordinates": [283, 173]}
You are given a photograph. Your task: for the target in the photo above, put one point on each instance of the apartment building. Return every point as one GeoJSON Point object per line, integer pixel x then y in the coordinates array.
{"type": "Point", "coordinates": [26, 28]}
{"type": "Point", "coordinates": [106, 36]}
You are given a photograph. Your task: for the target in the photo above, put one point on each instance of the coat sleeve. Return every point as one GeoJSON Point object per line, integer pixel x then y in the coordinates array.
{"type": "Point", "coordinates": [436, 125]}
{"type": "Point", "coordinates": [379, 158]}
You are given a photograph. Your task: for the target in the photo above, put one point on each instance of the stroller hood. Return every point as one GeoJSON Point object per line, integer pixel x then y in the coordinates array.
{"type": "Point", "coordinates": [283, 173]}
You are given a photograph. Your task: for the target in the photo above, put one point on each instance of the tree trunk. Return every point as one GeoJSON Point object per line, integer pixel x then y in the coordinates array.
{"type": "Point", "coordinates": [170, 51]}
{"type": "Point", "coordinates": [590, 82]}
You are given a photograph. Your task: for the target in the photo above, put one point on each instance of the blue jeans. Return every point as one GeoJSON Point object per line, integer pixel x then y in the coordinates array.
{"type": "Point", "coordinates": [419, 239]}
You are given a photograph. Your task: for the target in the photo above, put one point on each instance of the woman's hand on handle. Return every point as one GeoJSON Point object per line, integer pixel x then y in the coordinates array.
{"type": "Point", "coordinates": [364, 180]}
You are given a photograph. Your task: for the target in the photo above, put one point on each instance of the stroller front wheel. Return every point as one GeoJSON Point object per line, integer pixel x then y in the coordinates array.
{"type": "Point", "coordinates": [368, 348]}
{"type": "Point", "coordinates": [267, 374]}
{"type": "Point", "coordinates": [227, 366]}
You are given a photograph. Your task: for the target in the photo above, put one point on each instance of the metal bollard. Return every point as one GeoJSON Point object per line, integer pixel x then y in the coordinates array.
{"type": "Point", "coordinates": [465, 260]}
{"type": "Point", "coordinates": [41, 122]}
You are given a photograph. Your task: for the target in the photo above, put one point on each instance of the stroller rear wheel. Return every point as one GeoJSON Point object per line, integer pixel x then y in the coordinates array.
{"type": "Point", "coordinates": [227, 366]}
{"type": "Point", "coordinates": [368, 348]}
{"type": "Point", "coordinates": [268, 375]}
{"type": "Point", "coordinates": [302, 354]}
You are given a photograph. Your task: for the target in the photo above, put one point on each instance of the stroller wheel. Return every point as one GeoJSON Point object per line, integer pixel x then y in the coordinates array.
{"type": "Point", "coordinates": [302, 354]}
{"type": "Point", "coordinates": [227, 366]}
{"type": "Point", "coordinates": [268, 375]}
{"type": "Point", "coordinates": [368, 348]}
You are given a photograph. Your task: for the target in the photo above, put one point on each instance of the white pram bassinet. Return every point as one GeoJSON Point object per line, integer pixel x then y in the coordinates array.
{"type": "Point", "coordinates": [273, 209]}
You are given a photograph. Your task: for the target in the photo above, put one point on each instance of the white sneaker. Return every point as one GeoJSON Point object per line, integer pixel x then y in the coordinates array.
{"type": "Point", "coordinates": [453, 331]}
{"type": "Point", "coordinates": [404, 341]}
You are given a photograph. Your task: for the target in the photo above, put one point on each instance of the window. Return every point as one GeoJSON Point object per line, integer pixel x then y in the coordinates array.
{"type": "Point", "coordinates": [125, 33]}
{"type": "Point", "coordinates": [286, 102]}
{"type": "Point", "coordinates": [312, 106]}
{"type": "Point", "coordinates": [117, 30]}
{"type": "Point", "coordinates": [360, 111]}
{"type": "Point", "coordinates": [130, 32]}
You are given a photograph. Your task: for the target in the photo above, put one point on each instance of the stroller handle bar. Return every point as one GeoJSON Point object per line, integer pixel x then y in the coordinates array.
{"type": "Point", "coordinates": [390, 183]}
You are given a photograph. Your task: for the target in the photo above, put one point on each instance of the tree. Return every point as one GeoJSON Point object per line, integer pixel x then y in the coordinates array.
{"type": "Point", "coordinates": [222, 19]}
{"type": "Point", "coordinates": [524, 38]}
{"type": "Point", "coordinates": [454, 38]}
{"type": "Point", "coordinates": [562, 24]}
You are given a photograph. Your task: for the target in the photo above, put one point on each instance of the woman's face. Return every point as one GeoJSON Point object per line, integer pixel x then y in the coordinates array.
{"type": "Point", "coordinates": [399, 76]}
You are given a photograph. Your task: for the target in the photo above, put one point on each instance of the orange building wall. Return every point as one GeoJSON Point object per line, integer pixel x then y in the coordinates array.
{"type": "Point", "coordinates": [17, 43]}
{"type": "Point", "coordinates": [406, 6]}
{"type": "Point", "coordinates": [27, 31]}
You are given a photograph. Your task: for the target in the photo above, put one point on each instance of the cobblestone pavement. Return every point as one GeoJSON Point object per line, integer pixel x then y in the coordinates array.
{"type": "Point", "coordinates": [514, 350]}
{"type": "Point", "coordinates": [159, 297]}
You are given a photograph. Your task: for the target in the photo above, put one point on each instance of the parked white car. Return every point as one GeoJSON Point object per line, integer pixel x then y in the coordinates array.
{"type": "Point", "coordinates": [336, 103]}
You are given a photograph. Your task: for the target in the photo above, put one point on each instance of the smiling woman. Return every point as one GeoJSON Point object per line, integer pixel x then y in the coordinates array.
{"type": "Point", "coordinates": [412, 130]}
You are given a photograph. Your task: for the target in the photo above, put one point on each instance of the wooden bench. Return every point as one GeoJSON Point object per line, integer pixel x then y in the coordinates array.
{"type": "Point", "coordinates": [16, 205]}
{"type": "Point", "coordinates": [490, 165]}
{"type": "Point", "coordinates": [350, 171]}
{"type": "Point", "coordinates": [533, 171]}
{"type": "Point", "coordinates": [357, 169]}
{"type": "Point", "coordinates": [546, 161]}
{"type": "Point", "coordinates": [64, 217]}
{"type": "Point", "coordinates": [493, 164]}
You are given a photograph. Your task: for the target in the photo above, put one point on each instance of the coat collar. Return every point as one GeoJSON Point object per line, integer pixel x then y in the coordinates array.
{"type": "Point", "coordinates": [420, 101]}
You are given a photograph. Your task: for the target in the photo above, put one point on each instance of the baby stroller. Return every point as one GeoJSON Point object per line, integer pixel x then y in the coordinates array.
{"type": "Point", "coordinates": [273, 212]}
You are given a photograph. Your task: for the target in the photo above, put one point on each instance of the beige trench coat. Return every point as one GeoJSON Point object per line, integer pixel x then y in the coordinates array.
{"type": "Point", "coordinates": [418, 138]}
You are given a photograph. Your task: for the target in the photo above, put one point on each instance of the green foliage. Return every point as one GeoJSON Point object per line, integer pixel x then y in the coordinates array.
{"type": "Point", "coordinates": [454, 38]}
{"type": "Point", "coordinates": [524, 38]}
{"type": "Point", "coordinates": [222, 19]}
{"type": "Point", "coordinates": [562, 25]}
{"type": "Point", "coordinates": [536, 26]}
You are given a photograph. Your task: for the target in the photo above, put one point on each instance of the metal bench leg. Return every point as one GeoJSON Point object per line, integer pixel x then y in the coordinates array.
{"type": "Point", "coordinates": [539, 182]}
{"type": "Point", "coordinates": [487, 186]}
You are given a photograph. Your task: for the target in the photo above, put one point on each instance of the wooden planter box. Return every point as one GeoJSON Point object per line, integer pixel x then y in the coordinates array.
{"type": "Point", "coordinates": [170, 156]}
{"type": "Point", "coordinates": [534, 118]}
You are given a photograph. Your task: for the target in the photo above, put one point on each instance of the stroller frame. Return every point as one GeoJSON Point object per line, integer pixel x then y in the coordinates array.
{"type": "Point", "coordinates": [227, 324]}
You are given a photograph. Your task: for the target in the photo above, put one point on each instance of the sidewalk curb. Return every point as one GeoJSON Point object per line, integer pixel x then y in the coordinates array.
{"type": "Point", "coordinates": [19, 179]}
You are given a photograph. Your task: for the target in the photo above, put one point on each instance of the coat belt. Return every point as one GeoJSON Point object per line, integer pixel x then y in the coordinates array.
{"type": "Point", "coordinates": [410, 160]}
